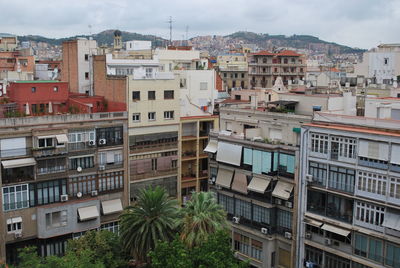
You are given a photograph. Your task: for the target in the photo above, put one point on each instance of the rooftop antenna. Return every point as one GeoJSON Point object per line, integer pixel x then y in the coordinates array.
{"type": "Point", "coordinates": [187, 34]}
{"type": "Point", "coordinates": [170, 30]}
{"type": "Point", "coordinates": [90, 30]}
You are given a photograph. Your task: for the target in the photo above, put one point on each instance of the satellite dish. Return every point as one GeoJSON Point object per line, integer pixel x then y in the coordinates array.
{"type": "Point", "coordinates": [79, 194]}
{"type": "Point", "coordinates": [79, 169]}
{"type": "Point", "coordinates": [1, 86]}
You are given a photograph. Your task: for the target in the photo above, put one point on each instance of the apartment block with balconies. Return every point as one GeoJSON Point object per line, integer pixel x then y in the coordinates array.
{"type": "Point", "coordinates": [253, 167]}
{"type": "Point", "coordinates": [265, 67]}
{"type": "Point", "coordinates": [60, 177]}
{"type": "Point", "coordinates": [349, 183]}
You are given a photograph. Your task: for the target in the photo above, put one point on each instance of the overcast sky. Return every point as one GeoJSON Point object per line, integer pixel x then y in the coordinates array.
{"type": "Point", "coordinates": [357, 23]}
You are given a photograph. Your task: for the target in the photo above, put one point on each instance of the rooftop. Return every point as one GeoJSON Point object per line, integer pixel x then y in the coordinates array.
{"type": "Point", "coordinates": [290, 53]}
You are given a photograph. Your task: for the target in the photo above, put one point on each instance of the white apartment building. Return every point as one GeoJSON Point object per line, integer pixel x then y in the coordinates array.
{"type": "Point", "coordinates": [349, 193]}
{"type": "Point", "coordinates": [139, 69]}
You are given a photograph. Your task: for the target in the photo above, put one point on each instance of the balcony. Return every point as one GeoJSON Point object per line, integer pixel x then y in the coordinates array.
{"type": "Point", "coordinates": [153, 173]}
{"type": "Point", "coordinates": [81, 146]}
{"type": "Point", "coordinates": [164, 146]}
{"type": "Point", "coordinates": [49, 151]}
{"type": "Point", "coordinates": [333, 241]}
{"type": "Point", "coordinates": [188, 155]}
{"type": "Point", "coordinates": [373, 163]}
{"type": "Point", "coordinates": [54, 172]}
{"type": "Point", "coordinates": [17, 174]}
{"type": "Point", "coordinates": [113, 165]}
{"type": "Point", "coordinates": [83, 171]}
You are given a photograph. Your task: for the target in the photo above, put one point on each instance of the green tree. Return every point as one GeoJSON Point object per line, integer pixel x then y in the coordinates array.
{"type": "Point", "coordinates": [215, 252]}
{"type": "Point", "coordinates": [202, 216]}
{"type": "Point", "coordinates": [154, 217]}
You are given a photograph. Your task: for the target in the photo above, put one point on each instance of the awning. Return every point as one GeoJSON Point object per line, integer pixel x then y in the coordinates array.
{"type": "Point", "coordinates": [336, 230]}
{"type": "Point", "coordinates": [23, 162]}
{"type": "Point", "coordinates": [229, 153]}
{"type": "Point", "coordinates": [88, 213]}
{"type": "Point", "coordinates": [374, 150]}
{"type": "Point", "coordinates": [62, 138]}
{"type": "Point", "coordinates": [239, 182]}
{"type": "Point", "coordinates": [211, 147]}
{"type": "Point", "coordinates": [111, 206]}
{"type": "Point", "coordinates": [395, 158]}
{"type": "Point", "coordinates": [259, 185]}
{"type": "Point", "coordinates": [391, 221]}
{"type": "Point", "coordinates": [313, 223]}
{"type": "Point", "coordinates": [283, 190]}
{"type": "Point", "coordinates": [14, 220]}
{"type": "Point", "coordinates": [296, 129]}
{"type": "Point", "coordinates": [224, 177]}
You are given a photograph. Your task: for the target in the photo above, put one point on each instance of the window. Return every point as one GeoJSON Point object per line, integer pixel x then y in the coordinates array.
{"type": "Point", "coordinates": [284, 219]}
{"type": "Point", "coordinates": [136, 117]}
{"type": "Point", "coordinates": [55, 89]}
{"type": "Point", "coordinates": [154, 164]}
{"type": "Point", "coordinates": [15, 197]}
{"type": "Point", "coordinates": [318, 171]}
{"type": "Point", "coordinates": [111, 181]}
{"type": "Point", "coordinates": [226, 202]}
{"type": "Point", "coordinates": [45, 142]}
{"type": "Point", "coordinates": [169, 115]}
{"type": "Point", "coordinates": [168, 94]}
{"type": "Point", "coordinates": [341, 178]}
{"type": "Point", "coordinates": [360, 247]}
{"type": "Point", "coordinates": [204, 85]}
{"type": "Point", "coordinates": [242, 209]}
{"type": "Point", "coordinates": [152, 116]}
{"type": "Point", "coordinates": [86, 75]}
{"type": "Point", "coordinates": [151, 95]}
{"type": "Point", "coordinates": [368, 247]}
{"type": "Point", "coordinates": [370, 214]}
{"type": "Point", "coordinates": [82, 184]}
{"type": "Point", "coordinates": [33, 89]}
{"type": "Point", "coordinates": [86, 57]}
{"type": "Point", "coordinates": [82, 162]}
{"type": "Point", "coordinates": [34, 108]}
{"type": "Point", "coordinates": [261, 214]}
{"type": "Point", "coordinates": [256, 249]}
{"type": "Point", "coordinates": [149, 72]}
{"type": "Point", "coordinates": [135, 95]}
{"type": "Point", "coordinates": [343, 147]}
{"type": "Point", "coordinates": [394, 188]}
{"type": "Point", "coordinates": [14, 225]}
{"type": "Point", "coordinates": [111, 227]}
{"type": "Point", "coordinates": [386, 61]}
{"type": "Point", "coordinates": [56, 219]}
{"type": "Point", "coordinates": [392, 255]}
{"type": "Point", "coordinates": [241, 243]}
{"type": "Point", "coordinates": [333, 261]}
{"type": "Point", "coordinates": [319, 143]}
{"type": "Point", "coordinates": [372, 183]}
{"type": "Point", "coordinates": [47, 192]}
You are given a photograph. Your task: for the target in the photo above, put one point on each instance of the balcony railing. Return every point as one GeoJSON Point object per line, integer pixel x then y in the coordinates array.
{"type": "Point", "coordinates": [153, 173]}
{"type": "Point", "coordinates": [153, 147]}
{"type": "Point", "coordinates": [43, 152]}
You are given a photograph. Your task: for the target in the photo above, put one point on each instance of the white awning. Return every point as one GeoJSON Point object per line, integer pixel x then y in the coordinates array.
{"type": "Point", "coordinates": [258, 185]}
{"type": "Point", "coordinates": [395, 157]}
{"type": "Point", "coordinates": [224, 177]}
{"type": "Point", "coordinates": [62, 138]}
{"type": "Point", "coordinates": [313, 223]}
{"type": "Point", "coordinates": [336, 230]}
{"type": "Point", "coordinates": [229, 153]}
{"type": "Point", "coordinates": [283, 190]}
{"type": "Point", "coordinates": [211, 147]}
{"type": "Point", "coordinates": [23, 162]}
{"type": "Point", "coordinates": [374, 150]}
{"type": "Point", "coordinates": [14, 220]}
{"type": "Point", "coordinates": [111, 206]}
{"type": "Point", "coordinates": [391, 221]}
{"type": "Point", "coordinates": [88, 213]}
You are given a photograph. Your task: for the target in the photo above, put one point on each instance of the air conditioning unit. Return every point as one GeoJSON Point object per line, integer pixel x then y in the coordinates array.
{"type": "Point", "coordinates": [79, 169]}
{"type": "Point", "coordinates": [308, 235]}
{"type": "Point", "coordinates": [328, 242]}
{"type": "Point", "coordinates": [94, 193]}
{"type": "Point", "coordinates": [102, 167]}
{"type": "Point", "coordinates": [278, 201]}
{"type": "Point", "coordinates": [236, 220]}
{"type": "Point", "coordinates": [212, 180]}
{"type": "Point", "coordinates": [64, 198]}
{"type": "Point", "coordinates": [289, 204]}
{"type": "Point", "coordinates": [102, 141]}
{"type": "Point", "coordinates": [288, 235]}
{"type": "Point", "coordinates": [92, 143]}
{"type": "Point", "coordinates": [264, 230]}
{"type": "Point", "coordinates": [309, 178]}
{"type": "Point", "coordinates": [18, 234]}
{"type": "Point", "coordinates": [79, 194]}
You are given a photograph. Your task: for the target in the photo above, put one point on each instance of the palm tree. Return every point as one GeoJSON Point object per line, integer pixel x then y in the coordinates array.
{"type": "Point", "coordinates": [153, 217]}
{"type": "Point", "coordinates": [202, 216]}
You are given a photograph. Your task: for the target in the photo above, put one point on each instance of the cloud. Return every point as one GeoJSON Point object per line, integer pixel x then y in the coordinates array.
{"type": "Point", "coordinates": [360, 23]}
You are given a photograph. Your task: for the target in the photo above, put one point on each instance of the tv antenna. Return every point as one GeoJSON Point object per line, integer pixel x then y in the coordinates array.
{"type": "Point", "coordinates": [187, 34]}
{"type": "Point", "coordinates": [170, 29]}
{"type": "Point", "coordinates": [90, 29]}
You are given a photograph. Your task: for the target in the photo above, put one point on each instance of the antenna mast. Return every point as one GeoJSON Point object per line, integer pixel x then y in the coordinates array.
{"type": "Point", "coordinates": [187, 33]}
{"type": "Point", "coordinates": [170, 30]}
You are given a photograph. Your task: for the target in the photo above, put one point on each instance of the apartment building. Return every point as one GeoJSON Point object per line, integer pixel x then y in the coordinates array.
{"type": "Point", "coordinates": [77, 64]}
{"type": "Point", "coordinates": [349, 193]}
{"type": "Point", "coordinates": [153, 112]}
{"type": "Point", "coordinates": [61, 176]}
{"type": "Point", "coordinates": [197, 98]}
{"type": "Point", "coordinates": [233, 69]}
{"type": "Point", "coordinates": [265, 67]}
{"type": "Point", "coordinates": [8, 42]}
{"type": "Point", "coordinates": [253, 169]}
